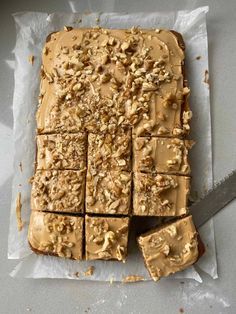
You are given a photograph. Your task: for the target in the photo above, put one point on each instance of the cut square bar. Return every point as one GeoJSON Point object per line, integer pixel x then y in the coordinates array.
{"type": "Point", "coordinates": [109, 151]}
{"type": "Point", "coordinates": [170, 248]}
{"type": "Point", "coordinates": [58, 235]}
{"type": "Point", "coordinates": [106, 238]}
{"type": "Point", "coordinates": [163, 155]}
{"type": "Point", "coordinates": [160, 195]}
{"type": "Point", "coordinates": [108, 193]}
{"type": "Point", "coordinates": [62, 151]}
{"type": "Point", "coordinates": [58, 191]}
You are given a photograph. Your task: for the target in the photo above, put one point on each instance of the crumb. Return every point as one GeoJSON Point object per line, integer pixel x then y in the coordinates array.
{"type": "Point", "coordinates": [111, 280]}
{"type": "Point", "coordinates": [68, 28]}
{"type": "Point", "coordinates": [21, 167]}
{"type": "Point", "coordinates": [97, 20]}
{"type": "Point", "coordinates": [31, 59]}
{"type": "Point", "coordinates": [19, 185]}
{"type": "Point", "coordinates": [198, 57]}
{"type": "Point", "coordinates": [77, 274]}
{"type": "Point", "coordinates": [182, 282]}
{"type": "Point", "coordinates": [18, 212]}
{"type": "Point", "coordinates": [28, 309]}
{"type": "Point", "coordinates": [206, 77]}
{"type": "Point", "coordinates": [181, 310]}
{"type": "Point", "coordinates": [132, 278]}
{"type": "Point", "coordinates": [79, 21]}
{"type": "Point", "coordinates": [89, 271]}
{"type": "Point", "coordinates": [87, 310]}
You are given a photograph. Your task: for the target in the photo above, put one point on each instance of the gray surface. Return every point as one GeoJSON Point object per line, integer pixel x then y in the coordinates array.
{"type": "Point", "coordinates": [58, 296]}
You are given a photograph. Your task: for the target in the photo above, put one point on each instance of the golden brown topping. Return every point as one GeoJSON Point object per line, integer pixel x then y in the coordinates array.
{"type": "Point", "coordinates": [167, 155]}
{"type": "Point", "coordinates": [58, 191]}
{"type": "Point", "coordinates": [109, 151]}
{"type": "Point", "coordinates": [62, 151]}
{"type": "Point", "coordinates": [56, 234]}
{"type": "Point", "coordinates": [160, 195]}
{"type": "Point", "coordinates": [132, 278]}
{"type": "Point", "coordinates": [108, 192]}
{"type": "Point", "coordinates": [104, 240]}
{"type": "Point", "coordinates": [170, 248]}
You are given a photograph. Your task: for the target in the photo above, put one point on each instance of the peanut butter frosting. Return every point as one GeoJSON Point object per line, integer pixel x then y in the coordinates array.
{"type": "Point", "coordinates": [106, 238]}
{"type": "Point", "coordinates": [160, 195]}
{"type": "Point", "coordinates": [108, 193]}
{"type": "Point", "coordinates": [62, 151]}
{"type": "Point", "coordinates": [54, 234]}
{"type": "Point", "coordinates": [109, 151]}
{"type": "Point", "coordinates": [163, 155]}
{"type": "Point", "coordinates": [100, 79]}
{"type": "Point", "coordinates": [58, 191]}
{"type": "Point", "coordinates": [169, 249]}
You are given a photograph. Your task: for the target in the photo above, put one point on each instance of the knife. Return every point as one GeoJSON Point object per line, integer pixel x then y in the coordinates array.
{"type": "Point", "coordinates": [215, 199]}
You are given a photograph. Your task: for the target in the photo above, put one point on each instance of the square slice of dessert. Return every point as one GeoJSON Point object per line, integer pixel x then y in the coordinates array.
{"type": "Point", "coordinates": [58, 191]}
{"type": "Point", "coordinates": [160, 194]}
{"type": "Point", "coordinates": [106, 238]}
{"type": "Point", "coordinates": [62, 151]}
{"type": "Point", "coordinates": [108, 192]}
{"type": "Point", "coordinates": [110, 151]}
{"type": "Point", "coordinates": [58, 235]}
{"type": "Point", "coordinates": [163, 155]}
{"type": "Point", "coordinates": [170, 248]}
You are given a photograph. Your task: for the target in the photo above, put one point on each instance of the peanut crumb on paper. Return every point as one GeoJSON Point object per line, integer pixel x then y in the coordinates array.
{"type": "Point", "coordinates": [77, 274]}
{"type": "Point", "coordinates": [89, 271]}
{"type": "Point", "coordinates": [21, 167]}
{"type": "Point", "coordinates": [132, 278]}
{"type": "Point", "coordinates": [198, 57]}
{"type": "Point", "coordinates": [18, 212]}
{"type": "Point", "coordinates": [206, 77]}
{"type": "Point", "coordinates": [31, 59]}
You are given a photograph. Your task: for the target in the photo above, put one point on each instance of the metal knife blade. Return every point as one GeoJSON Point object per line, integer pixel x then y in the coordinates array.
{"type": "Point", "coordinates": [216, 199]}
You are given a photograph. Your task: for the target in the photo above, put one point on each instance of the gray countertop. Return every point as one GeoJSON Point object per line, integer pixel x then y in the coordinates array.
{"type": "Point", "coordinates": [67, 296]}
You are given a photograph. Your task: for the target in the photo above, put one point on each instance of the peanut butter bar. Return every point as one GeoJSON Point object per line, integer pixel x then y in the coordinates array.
{"type": "Point", "coordinates": [170, 248]}
{"type": "Point", "coordinates": [53, 234]}
{"type": "Point", "coordinates": [101, 79]}
{"type": "Point", "coordinates": [165, 155]}
{"type": "Point", "coordinates": [160, 195]}
{"type": "Point", "coordinates": [109, 151]}
{"type": "Point", "coordinates": [108, 193]}
{"type": "Point", "coordinates": [106, 238]}
{"type": "Point", "coordinates": [62, 151]}
{"type": "Point", "coordinates": [58, 191]}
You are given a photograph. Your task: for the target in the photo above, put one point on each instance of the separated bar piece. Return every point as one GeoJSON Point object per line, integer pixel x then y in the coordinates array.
{"type": "Point", "coordinates": [58, 191]}
{"type": "Point", "coordinates": [160, 195]}
{"type": "Point", "coordinates": [58, 235]}
{"type": "Point", "coordinates": [108, 193]}
{"type": "Point", "coordinates": [106, 238]}
{"type": "Point", "coordinates": [109, 151]}
{"type": "Point", "coordinates": [171, 248]}
{"type": "Point", "coordinates": [164, 155]}
{"type": "Point", "coordinates": [62, 151]}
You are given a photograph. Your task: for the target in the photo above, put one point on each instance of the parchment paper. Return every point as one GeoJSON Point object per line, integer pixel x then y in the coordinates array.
{"type": "Point", "coordinates": [32, 29]}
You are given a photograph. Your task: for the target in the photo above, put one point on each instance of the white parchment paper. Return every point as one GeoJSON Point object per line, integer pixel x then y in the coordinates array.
{"type": "Point", "coordinates": [32, 30]}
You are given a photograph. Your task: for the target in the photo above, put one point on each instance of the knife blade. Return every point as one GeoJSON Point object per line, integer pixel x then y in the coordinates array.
{"type": "Point", "coordinates": [215, 199]}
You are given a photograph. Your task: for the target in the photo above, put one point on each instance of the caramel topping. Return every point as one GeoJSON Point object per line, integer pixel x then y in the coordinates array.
{"type": "Point", "coordinates": [165, 155]}
{"type": "Point", "coordinates": [56, 190]}
{"type": "Point", "coordinates": [101, 79]}
{"type": "Point", "coordinates": [106, 238]}
{"type": "Point", "coordinates": [109, 151]}
{"type": "Point", "coordinates": [56, 234]}
{"type": "Point", "coordinates": [170, 248]}
{"type": "Point", "coordinates": [108, 193]}
{"type": "Point", "coordinates": [62, 151]}
{"type": "Point", "coordinates": [160, 195]}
